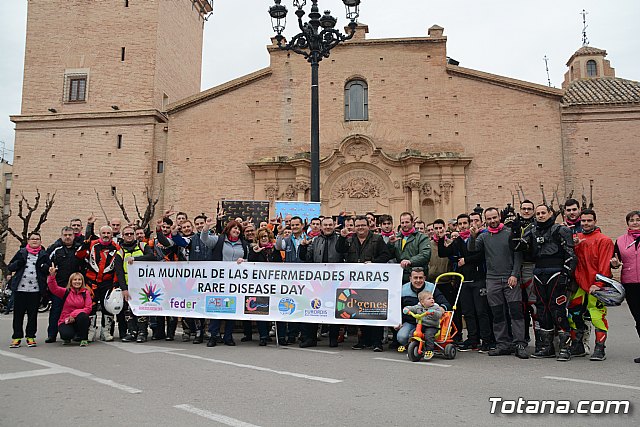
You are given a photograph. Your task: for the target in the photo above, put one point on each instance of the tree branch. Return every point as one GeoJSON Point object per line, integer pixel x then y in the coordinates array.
{"type": "Point", "coordinates": [101, 207]}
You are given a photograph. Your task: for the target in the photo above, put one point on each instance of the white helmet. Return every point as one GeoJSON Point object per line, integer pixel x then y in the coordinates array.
{"type": "Point", "coordinates": [114, 301]}
{"type": "Point", "coordinates": [611, 294]}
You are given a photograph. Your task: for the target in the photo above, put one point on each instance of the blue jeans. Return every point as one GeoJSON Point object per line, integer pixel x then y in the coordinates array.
{"type": "Point", "coordinates": [214, 329]}
{"type": "Point", "coordinates": [405, 333]}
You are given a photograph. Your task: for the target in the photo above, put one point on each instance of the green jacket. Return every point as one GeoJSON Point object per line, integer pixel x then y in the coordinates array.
{"type": "Point", "coordinates": [417, 250]}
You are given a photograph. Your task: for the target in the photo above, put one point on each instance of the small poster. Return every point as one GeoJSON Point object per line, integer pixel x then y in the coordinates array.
{"type": "Point", "coordinates": [305, 210]}
{"type": "Point", "coordinates": [258, 210]}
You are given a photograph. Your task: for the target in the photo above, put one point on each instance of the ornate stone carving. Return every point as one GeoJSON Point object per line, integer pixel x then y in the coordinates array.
{"type": "Point", "coordinates": [289, 193]}
{"type": "Point", "coordinates": [388, 171]}
{"type": "Point", "coordinates": [374, 161]}
{"type": "Point", "coordinates": [341, 162]}
{"type": "Point", "coordinates": [396, 184]}
{"type": "Point", "coordinates": [271, 190]}
{"type": "Point", "coordinates": [412, 184]}
{"type": "Point", "coordinates": [428, 191]}
{"type": "Point", "coordinates": [358, 150]}
{"type": "Point", "coordinates": [302, 186]}
{"type": "Point", "coordinates": [359, 185]}
{"type": "Point", "coordinates": [446, 188]}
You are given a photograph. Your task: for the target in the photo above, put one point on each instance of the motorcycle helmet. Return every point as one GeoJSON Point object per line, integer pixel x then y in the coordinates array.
{"type": "Point", "coordinates": [611, 294]}
{"type": "Point", "coordinates": [114, 301]}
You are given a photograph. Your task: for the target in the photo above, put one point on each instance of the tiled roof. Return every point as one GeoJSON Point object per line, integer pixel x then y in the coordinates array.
{"type": "Point", "coordinates": [587, 50]}
{"type": "Point", "coordinates": [602, 91]}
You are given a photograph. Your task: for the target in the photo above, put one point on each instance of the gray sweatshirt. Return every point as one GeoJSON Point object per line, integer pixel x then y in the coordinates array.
{"type": "Point", "coordinates": [231, 251]}
{"type": "Point", "coordinates": [430, 320]}
{"type": "Point", "coordinates": [502, 262]}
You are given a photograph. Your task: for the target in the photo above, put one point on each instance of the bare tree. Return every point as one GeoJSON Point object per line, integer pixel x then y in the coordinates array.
{"type": "Point", "coordinates": [25, 212]}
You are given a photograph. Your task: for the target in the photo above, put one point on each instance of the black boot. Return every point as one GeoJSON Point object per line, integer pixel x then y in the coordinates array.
{"type": "Point", "coordinates": [538, 340]}
{"type": "Point", "coordinates": [577, 345]}
{"type": "Point", "coordinates": [598, 352]}
{"type": "Point", "coordinates": [172, 324]}
{"type": "Point", "coordinates": [546, 349]}
{"type": "Point", "coordinates": [564, 344]}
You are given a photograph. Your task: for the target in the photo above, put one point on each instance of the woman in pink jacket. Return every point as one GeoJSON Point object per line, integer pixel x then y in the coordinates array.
{"type": "Point", "coordinates": [627, 256]}
{"type": "Point", "coordinates": [77, 304]}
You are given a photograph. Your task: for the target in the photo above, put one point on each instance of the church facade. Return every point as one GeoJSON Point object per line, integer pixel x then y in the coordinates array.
{"type": "Point", "coordinates": [402, 127]}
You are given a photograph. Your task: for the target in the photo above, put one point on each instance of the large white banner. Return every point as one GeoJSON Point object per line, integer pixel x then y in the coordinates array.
{"type": "Point", "coordinates": [359, 294]}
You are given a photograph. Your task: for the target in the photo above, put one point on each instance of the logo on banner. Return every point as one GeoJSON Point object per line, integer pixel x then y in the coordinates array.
{"type": "Point", "coordinates": [316, 310]}
{"type": "Point", "coordinates": [150, 297]}
{"type": "Point", "coordinates": [182, 304]}
{"type": "Point", "coordinates": [221, 304]}
{"type": "Point", "coordinates": [256, 305]}
{"type": "Point", "coordinates": [287, 306]}
{"type": "Point", "coordinates": [370, 304]}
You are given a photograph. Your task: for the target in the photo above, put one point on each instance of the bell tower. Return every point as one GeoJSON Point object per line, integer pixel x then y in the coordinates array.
{"type": "Point", "coordinates": [98, 76]}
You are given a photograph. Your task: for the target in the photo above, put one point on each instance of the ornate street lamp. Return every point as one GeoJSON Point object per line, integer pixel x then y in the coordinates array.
{"type": "Point", "coordinates": [316, 39]}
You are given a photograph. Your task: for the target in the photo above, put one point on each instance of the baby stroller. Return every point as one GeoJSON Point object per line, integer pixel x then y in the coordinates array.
{"type": "Point", "coordinates": [443, 344]}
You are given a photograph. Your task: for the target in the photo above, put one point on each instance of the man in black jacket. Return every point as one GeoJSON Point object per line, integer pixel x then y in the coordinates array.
{"type": "Point", "coordinates": [322, 249]}
{"type": "Point", "coordinates": [473, 295]}
{"type": "Point", "coordinates": [364, 247]}
{"type": "Point", "coordinates": [62, 254]}
{"type": "Point", "coordinates": [555, 262]}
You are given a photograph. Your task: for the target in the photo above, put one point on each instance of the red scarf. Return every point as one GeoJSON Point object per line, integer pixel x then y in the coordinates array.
{"type": "Point", "coordinates": [77, 234]}
{"type": "Point", "coordinates": [267, 245]}
{"type": "Point", "coordinates": [233, 239]}
{"type": "Point", "coordinates": [105, 242]}
{"type": "Point", "coordinates": [496, 230]}
{"type": "Point", "coordinates": [435, 238]}
{"type": "Point", "coordinates": [573, 222]}
{"type": "Point", "coordinates": [33, 251]}
{"type": "Point", "coordinates": [408, 233]}
{"type": "Point", "coordinates": [634, 233]}
{"type": "Point", "coordinates": [351, 234]}
{"type": "Point", "coordinates": [387, 233]}
{"type": "Point", "coordinates": [313, 234]}
{"type": "Point", "coordinates": [466, 234]}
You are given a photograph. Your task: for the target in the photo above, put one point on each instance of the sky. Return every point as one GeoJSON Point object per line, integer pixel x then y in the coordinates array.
{"type": "Point", "coordinates": [504, 37]}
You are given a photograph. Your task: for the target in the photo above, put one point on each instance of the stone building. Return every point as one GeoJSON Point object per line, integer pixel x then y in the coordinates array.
{"type": "Point", "coordinates": [402, 127]}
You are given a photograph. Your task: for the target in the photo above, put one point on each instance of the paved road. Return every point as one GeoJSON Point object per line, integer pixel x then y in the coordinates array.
{"type": "Point", "coordinates": [175, 383]}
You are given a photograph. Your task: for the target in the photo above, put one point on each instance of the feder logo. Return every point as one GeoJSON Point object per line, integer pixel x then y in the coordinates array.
{"type": "Point", "coordinates": [371, 304]}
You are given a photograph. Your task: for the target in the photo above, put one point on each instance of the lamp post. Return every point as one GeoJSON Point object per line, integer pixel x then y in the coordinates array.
{"type": "Point", "coordinates": [316, 39]}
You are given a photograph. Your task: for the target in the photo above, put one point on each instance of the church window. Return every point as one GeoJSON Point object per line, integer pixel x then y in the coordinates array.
{"type": "Point", "coordinates": [356, 103]}
{"type": "Point", "coordinates": [592, 68]}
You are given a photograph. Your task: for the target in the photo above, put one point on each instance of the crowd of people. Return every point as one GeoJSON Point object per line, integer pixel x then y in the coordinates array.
{"type": "Point", "coordinates": [528, 276]}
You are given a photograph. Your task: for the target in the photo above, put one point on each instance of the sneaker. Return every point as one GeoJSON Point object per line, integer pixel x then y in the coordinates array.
{"type": "Point", "coordinates": [283, 341]}
{"type": "Point", "coordinates": [358, 346]}
{"type": "Point", "coordinates": [49, 340]}
{"type": "Point", "coordinates": [401, 349]}
{"type": "Point", "coordinates": [84, 343]}
{"type": "Point", "coordinates": [15, 343]}
{"type": "Point", "coordinates": [212, 342]}
{"type": "Point", "coordinates": [378, 348]}
{"type": "Point", "coordinates": [246, 338]}
{"type": "Point", "coordinates": [468, 346]}
{"type": "Point", "coordinates": [484, 348]}
{"type": "Point", "coordinates": [141, 338]}
{"type": "Point", "coordinates": [66, 342]}
{"type": "Point", "coordinates": [521, 351]}
{"type": "Point", "coordinates": [637, 360]}
{"type": "Point", "coordinates": [128, 338]}
{"type": "Point", "coordinates": [263, 342]}
{"type": "Point", "coordinates": [598, 353]}
{"type": "Point", "coordinates": [428, 355]}
{"type": "Point", "coordinates": [31, 342]}
{"type": "Point", "coordinates": [500, 352]}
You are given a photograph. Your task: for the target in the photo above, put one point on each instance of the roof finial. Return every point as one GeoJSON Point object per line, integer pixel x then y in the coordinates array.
{"type": "Point", "coordinates": [546, 63]}
{"type": "Point", "coordinates": [585, 40]}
